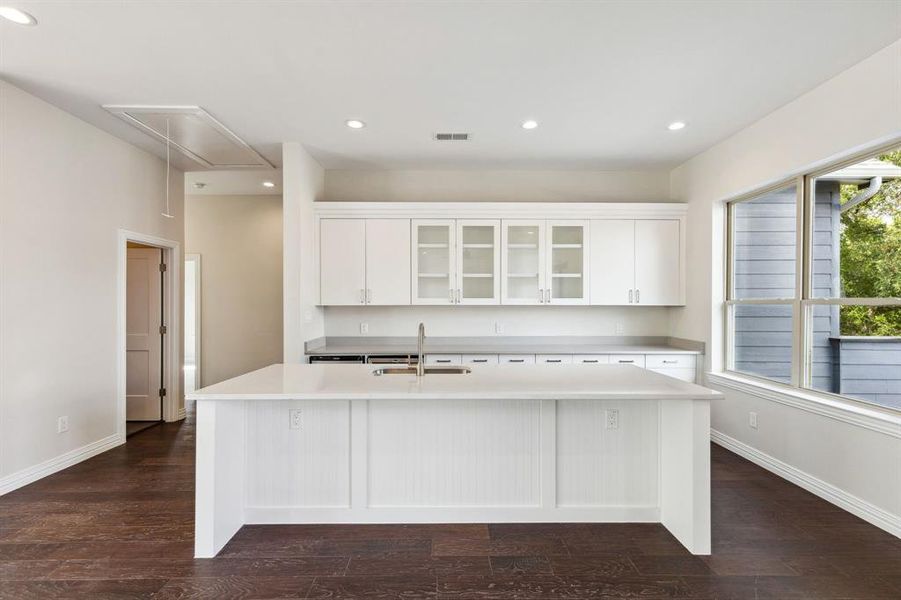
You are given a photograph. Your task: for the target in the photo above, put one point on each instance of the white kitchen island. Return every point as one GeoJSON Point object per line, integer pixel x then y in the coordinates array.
{"type": "Point", "coordinates": [564, 443]}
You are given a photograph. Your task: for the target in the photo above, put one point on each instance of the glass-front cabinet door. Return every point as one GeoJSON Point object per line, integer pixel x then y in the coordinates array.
{"type": "Point", "coordinates": [522, 262]}
{"type": "Point", "coordinates": [434, 275]}
{"type": "Point", "coordinates": [567, 262]}
{"type": "Point", "coordinates": [478, 262]}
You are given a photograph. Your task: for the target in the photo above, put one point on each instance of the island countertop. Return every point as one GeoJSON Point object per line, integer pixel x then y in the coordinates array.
{"type": "Point", "coordinates": [488, 382]}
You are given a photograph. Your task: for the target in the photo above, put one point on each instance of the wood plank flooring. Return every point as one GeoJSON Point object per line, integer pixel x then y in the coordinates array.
{"type": "Point", "coordinates": [120, 526]}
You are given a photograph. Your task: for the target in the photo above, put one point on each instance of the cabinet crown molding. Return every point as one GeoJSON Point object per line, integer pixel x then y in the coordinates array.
{"type": "Point", "coordinates": [501, 210]}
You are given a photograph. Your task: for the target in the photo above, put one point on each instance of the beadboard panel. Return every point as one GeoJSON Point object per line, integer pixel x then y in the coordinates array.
{"type": "Point", "coordinates": [597, 466]}
{"type": "Point", "coordinates": [318, 473]}
{"type": "Point", "coordinates": [454, 453]}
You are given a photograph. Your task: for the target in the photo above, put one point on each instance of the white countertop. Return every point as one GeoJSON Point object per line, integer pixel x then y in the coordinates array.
{"type": "Point", "coordinates": [475, 348]}
{"type": "Point", "coordinates": [485, 382]}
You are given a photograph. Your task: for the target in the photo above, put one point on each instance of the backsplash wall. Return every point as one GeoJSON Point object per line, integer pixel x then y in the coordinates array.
{"type": "Point", "coordinates": [449, 321]}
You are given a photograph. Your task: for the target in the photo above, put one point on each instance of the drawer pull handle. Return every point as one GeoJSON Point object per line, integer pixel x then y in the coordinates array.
{"type": "Point", "coordinates": [517, 360]}
{"type": "Point", "coordinates": [626, 361]}
{"type": "Point", "coordinates": [442, 360]}
{"type": "Point", "coordinates": [480, 360]}
{"type": "Point", "coordinates": [589, 361]}
{"type": "Point", "coordinates": [553, 360]}
{"type": "Point", "coordinates": [670, 362]}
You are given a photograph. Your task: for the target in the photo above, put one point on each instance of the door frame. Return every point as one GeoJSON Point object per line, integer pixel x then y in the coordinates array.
{"type": "Point", "coordinates": [172, 314]}
{"type": "Point", "coordinates": [196, 266]}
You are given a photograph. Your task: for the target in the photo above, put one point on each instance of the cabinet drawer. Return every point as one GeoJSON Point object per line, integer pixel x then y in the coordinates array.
{"type": "Point", "coordinates": [553, 359]}
{"type": "Point", "coordinates": [480, 359]}
{"type": "Point", "coordinates": [592, 359]}
{"type": "Point", "coordinates": [671, 361]}
{"type": "Point", "coordinates": [683, 374]}
{"type": "Point", "coordinates": [517, 359]}
{"type": "Point", "coordinates": [627, 359]}
{"type": "Point", "coordinates": [444, 359]}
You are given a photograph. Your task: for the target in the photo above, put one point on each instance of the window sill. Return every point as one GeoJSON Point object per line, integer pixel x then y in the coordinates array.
{"type": "Point", "coordinates": [883, 421]}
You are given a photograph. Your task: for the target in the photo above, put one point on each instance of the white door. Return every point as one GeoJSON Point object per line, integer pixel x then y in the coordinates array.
{"type": "Point", "coordinates": [434, 274]}
{"type": "Point", "coordinates": [143, 337]}
{"type": "Point", "coordinates": [612, 261]}
{"type": "Point", "coordinates": [567, 262]}
{"type": "Point", "coordinates": [478, 262]}
{"type": "Point", "coordinates": [388, 261]}
{"type": "Point", "coordinates": [657, 274]}
{"type": "Point", "coordinates": [342, 261]}
{"type": "Point", "coordinates": [522, 262]}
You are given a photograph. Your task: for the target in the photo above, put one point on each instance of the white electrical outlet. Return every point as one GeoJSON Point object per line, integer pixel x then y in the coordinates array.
{"type": "Point", "coordinates": [752, 420]}
{"type": "Point", "coordinates": [498, 327]}
{"type": "Point", "coordinates": [294, 418]}
{"type": "Point", "coordinates": [619, 328]}
{"type": "Point", "coordinates": [62, 424]}
{"type": "Point", "coordinates": [364, 328]}
{"type": "Point", "coordinates": [612, 418]}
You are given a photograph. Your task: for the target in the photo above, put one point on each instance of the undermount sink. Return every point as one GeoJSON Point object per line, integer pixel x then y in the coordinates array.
{"type": "Point", "coordinates": [411, 370]}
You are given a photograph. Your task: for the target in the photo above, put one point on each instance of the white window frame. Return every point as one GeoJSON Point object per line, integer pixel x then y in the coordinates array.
{"type": "Point", "coordinates": [803, 301]}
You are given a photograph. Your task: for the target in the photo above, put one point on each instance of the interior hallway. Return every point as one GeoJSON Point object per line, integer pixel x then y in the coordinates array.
{"type": "Point", "coordinates": [121, 525]}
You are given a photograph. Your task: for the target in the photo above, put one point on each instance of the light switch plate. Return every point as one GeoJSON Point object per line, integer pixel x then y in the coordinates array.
{"type": "Point", "coordinates": [62, 424]}
{"type": "Point", "coordinates": [294, 418]}
{"type": "Point", "coordinates": [752, 420]}
{"type": "Point", "coordinates": [364, 328]}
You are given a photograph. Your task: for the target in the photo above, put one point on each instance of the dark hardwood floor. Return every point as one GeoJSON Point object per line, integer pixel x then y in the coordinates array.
{"type": "Point", "coordinates": [120, 526]}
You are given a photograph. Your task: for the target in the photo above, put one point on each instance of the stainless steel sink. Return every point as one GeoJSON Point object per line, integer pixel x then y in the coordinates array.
{"type": "Point", "coordinates": [411, 370]}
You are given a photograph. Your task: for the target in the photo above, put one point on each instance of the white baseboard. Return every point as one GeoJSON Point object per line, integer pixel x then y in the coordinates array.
{"type": "Point", "coordinates": [58, 463]}
{"type": "Point", "coordinates": [849, 502]}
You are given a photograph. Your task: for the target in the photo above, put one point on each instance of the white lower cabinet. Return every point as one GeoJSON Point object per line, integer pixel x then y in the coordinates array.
{"type": "Point", "coordinates": [516, 359]}
{"type": "Point", "coordinates": [480, 359]}
{"type": "Point", "coordinates": [627, 359]}
{"type": "Point", "coordinates": [554, 359]}
{"type": "Point", "coordinates": [591, 359]}
{"type": "Point", "coordinates": [444, 359]}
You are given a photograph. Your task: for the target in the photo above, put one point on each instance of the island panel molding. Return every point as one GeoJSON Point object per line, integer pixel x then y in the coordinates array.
{"type": "Point", "coordinates": [500, 444]}
{"type": "Point", "coordinates": [605, 254]}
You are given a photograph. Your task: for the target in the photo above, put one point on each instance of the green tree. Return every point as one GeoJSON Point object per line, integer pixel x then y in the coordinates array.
{"type": "Point", "coordinates": [871, 257]}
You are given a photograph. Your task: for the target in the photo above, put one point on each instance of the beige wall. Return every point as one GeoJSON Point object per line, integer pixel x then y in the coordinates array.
{"type": "Point", "coordinates": [239, 239]}
{"type": "Point", "coordinates": [858, 108]}
{"type": "Point", "coordinates": [66, 188]}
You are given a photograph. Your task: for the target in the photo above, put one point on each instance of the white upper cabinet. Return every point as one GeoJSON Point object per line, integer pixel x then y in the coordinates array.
{"type": "Point", "coordinates": [613, 261]}
{"type": "Point", "coordinates": [478, 262]}
{"type": "Point", "coordinates": [567, 277]}
{"type": "Point", "coordinates": [657, 262]}
{"type": "Point", "coordinates": [434, 279]}
{"type": "Point", "coordinates": [636, 261]}
{"type": "Point", "coordinates": [342, 261]}
{"type": "Point", "coordinates": [387, 261]}
{"type": "Point", "coordinates": [364, 261]}
{"type": "Point", "coordinates": [522, 262]}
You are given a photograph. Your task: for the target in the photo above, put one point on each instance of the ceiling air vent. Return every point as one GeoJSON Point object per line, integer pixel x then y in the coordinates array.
{"type": "Point", "coordinates": [195, 133]}
{"type": "Point", "coordinates": [452, 137]}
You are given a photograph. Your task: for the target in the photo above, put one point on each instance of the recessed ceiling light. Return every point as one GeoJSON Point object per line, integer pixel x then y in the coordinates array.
{"type": "Point", "coordinates": [530, 124]}
{"type": "Point", "coordinates": [17, 16]}
{"type": "Point", "coordinates": [355, 124]}
{"type": "Point", "coordinates": [268, 184]}
{"type": "Point", "coordinates": [676, 125]}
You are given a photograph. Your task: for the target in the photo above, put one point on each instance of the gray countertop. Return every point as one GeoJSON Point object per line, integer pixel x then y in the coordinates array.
{"type": "Point", "coordinates": [343, 346]}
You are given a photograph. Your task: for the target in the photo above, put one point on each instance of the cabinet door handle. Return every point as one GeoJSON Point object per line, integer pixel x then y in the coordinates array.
{"type": "Point", "coordinates": [637, 297]}
{"type": "Point", "coordinates": [368, 295]}
{"type": "Point", "coordinates": [630, 296]}
{"type": "Point", "coordinates": [450, 295]}
{"type": "Point", "coordinates": [540, 295]}
{"type": "Point", "coordinates": [362, 296]}
{"type": "Point", "coordinates": [458, 295]}
{"type": "Point", "coordinates": [547, 296]}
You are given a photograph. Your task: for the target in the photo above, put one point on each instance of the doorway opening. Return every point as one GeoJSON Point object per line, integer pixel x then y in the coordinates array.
{"type": "Point", "coordinates": [192, 321]}
{"type": "Point", "coordinates": [148, 332]}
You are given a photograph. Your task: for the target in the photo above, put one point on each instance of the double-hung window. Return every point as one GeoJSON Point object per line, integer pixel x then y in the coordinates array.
{"type": "Point", "coordinates": [814, 281]}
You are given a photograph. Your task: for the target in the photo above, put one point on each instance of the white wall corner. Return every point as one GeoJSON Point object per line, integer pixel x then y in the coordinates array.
{"type": "Point", "coordinates": [303, 184]}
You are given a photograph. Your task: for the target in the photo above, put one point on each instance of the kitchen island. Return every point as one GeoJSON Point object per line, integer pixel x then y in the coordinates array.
{"type": "Point", "coordinates": [339, 444]}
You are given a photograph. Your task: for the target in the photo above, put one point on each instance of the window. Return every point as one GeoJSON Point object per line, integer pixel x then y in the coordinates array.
{"type": "Point", "coordinates": [814, 281]}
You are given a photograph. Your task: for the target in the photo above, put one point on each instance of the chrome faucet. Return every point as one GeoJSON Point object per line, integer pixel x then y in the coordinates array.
{"type": "Point", "coordinates": [420, 368]}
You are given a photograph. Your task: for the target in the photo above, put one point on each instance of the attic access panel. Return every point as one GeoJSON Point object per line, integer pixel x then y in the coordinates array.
{"type": "Point", "coordinates": [193, 132]}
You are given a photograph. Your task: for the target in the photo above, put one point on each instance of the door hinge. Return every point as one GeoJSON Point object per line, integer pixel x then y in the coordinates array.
{"type": "Point", "coordinates": [163, 330]}
{"type": "Point", "coordinates": [162, 267]}
{"type": "Point", "coordinates": [162, 392]}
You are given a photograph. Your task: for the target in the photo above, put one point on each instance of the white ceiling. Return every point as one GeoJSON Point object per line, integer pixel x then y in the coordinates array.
{"type": "Point", "coordinates": [226, 183]}
{"type": "Point", "coordinates": [603, 79]}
